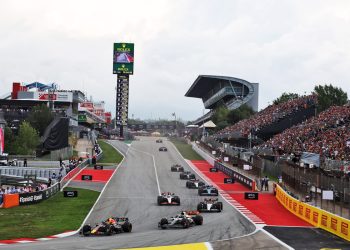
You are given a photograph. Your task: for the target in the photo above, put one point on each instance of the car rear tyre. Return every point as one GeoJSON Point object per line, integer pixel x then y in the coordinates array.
{"type": "Point", "coordinates": [127, 227]}
{"type": "Point", "coordinates": [198, 219]}
{"type": "Point", "coordinates": [86, 231]}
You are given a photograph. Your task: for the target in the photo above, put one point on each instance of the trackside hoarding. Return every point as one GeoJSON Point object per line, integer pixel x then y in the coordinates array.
{"type": "Point", "coordinates": [315, 216]}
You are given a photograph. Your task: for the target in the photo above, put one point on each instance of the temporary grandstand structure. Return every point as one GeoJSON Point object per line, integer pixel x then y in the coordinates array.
{"type": "Point", "coordinates": [208, 124]}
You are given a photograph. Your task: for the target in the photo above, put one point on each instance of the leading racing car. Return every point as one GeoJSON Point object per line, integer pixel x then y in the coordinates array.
{"type": "Point", "coordinates": [210, 205]}
{"type": "Point", "coordinates": [194, 183]}
{"type": "Point", "coordinates": [208, 190]}
{"type": "Point", "coordinates": [182, 220]}
{"type": "Point", "coordinates": [168, 198]}
{"type": "Point", "coordinates": [113, 225]}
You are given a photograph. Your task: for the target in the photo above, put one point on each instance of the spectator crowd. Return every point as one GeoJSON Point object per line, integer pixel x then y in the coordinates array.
{"type": "Point", "coordinates": [269, 115]}
{"type": "Point", "coordinates": [328, 134]}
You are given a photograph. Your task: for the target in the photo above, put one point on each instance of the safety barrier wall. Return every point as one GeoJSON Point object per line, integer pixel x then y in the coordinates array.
{"type": "Point", "coordinates": [204, 155]}
{"type": "Point", "coordinates": [246, 181]}
{"type": "Point", "coordinates": [11, 200]}
{"type": "Point", "coordinates": [315, 216]}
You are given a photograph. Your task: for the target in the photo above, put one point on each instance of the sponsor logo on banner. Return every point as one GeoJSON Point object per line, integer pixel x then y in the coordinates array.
{"type": "Point", "coordinates": [315, 217]}
{"type": "Point", "coordinates": [344, 228]}
{"type": "Point", "coordinates": [334, 223]}
{"type": "Point", "coordinates": [307, 213]}
{"type": "Point", "coordinates": [301, 209]}
{"type": "Point", "coordinates": [324, 220]}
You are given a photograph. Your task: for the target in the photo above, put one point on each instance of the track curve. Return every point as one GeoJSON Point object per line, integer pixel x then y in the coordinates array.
{"type": "Point", "coordinates": [132, 192]}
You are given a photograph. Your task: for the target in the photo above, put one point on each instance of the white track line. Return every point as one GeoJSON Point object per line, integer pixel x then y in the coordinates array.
{"type": "Point", "coordinates": [154, 166]}
{"type": "Point", "coordinates": [103, 189]}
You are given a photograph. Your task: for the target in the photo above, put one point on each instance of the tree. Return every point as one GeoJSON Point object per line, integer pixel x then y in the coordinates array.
{"type": "Point", "coordinates": [241, 113]}
{"type": "Point", "coordinates": [26, 141]}
{"type": "Point", "coordinates": [40, 118]}
{"type": "Point", "coordinates": [328, 95]}
{"type": "Point", "coordinates": [9, 140]}
{"type": "Point", "coordinates": [220, 114]}
{"type": "Point", "coordinates": [285, 97]}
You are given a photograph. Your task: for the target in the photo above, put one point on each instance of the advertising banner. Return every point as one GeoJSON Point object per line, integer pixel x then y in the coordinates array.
{"type": "Point", "coordinates": [123, 58]}
{"type": "Point", "coordinates": [315, 216]}
{"type": "Point", "coordinates": [36, 197]}
{"type": "Point", "coordinates": [56, 96]}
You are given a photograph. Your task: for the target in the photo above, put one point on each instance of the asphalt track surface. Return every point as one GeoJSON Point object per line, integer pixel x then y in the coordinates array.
{"type": "Point", "coordinates": [132, 192]}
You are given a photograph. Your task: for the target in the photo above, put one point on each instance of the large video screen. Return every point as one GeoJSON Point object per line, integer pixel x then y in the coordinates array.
{"type": "Point", "coordinates": [123, 58]}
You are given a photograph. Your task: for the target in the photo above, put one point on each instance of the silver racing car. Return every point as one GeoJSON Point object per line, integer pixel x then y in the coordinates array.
{"type": "Point", "coordinates": [182, 220]}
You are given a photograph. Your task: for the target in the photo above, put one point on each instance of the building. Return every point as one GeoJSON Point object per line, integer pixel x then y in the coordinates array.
{"type": "Point", "coordinates": [217, 90]}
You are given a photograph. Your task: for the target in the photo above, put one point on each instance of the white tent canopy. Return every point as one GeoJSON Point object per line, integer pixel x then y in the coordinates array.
{"type": "Point", "coordinates": [208, 124]}
{"type": "Point", "coordinates": [192, 126]}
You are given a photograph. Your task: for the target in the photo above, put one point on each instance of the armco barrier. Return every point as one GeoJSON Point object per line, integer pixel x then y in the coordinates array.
{"type": "Point", "coordinates": [315, 216]}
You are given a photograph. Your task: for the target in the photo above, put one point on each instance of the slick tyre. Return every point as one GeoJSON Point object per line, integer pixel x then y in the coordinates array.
{"type": "Point", "coordinates": [86, 231]}
{"type": "Point", "coordinates": [198, 219]}
{"type": "Point", "coordinates": [185, 223]}
{"type": "Point", "coordinates": [127, 227]}
{"type": "Point", "coordinates": [163, 223]}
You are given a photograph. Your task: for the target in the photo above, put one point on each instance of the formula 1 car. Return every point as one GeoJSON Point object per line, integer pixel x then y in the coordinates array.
{"type": "Point", "coordinates": [187, 175]}
{"type": "Point", "coordinates": [177, 168]}
{"type": "Point", "coordinates": [159, 141]}
{"type": "Point", "coordinates": [208, 190]}
{"type": "Point", "coordinates": [163, 149]}
{"type": "Point", "coordinates": [194, 183]}
{"type": "Point", "coordinates": [210, 205]}
{"type": "Point", "coordinates": [182, 220]}
{"type": "Point", "coordinates": [168, 199]}
{"type": "Point", "coordinates": [113, 225]}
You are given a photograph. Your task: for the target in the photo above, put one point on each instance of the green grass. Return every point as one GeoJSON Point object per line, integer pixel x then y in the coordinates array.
{"type": "Point", "coordinates": [186, 150]}
{"type": "Point", "coordinates": [53, 216]}
{"type": "Point", "coordinates": [110, 155]}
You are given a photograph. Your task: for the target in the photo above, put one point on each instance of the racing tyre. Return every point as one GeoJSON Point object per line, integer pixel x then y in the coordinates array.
{"type": "Point", "coordinates": [188, 184]}
{"type": "Point", "coordinates": [159, 200]}
{"type": "Point", "coordinates": [185, 223]}
{"type": "Point", "coordinates": [200, 192]}
{"type": "Point", "coordinates": [86, 231]}
{"type": "Point", "coordinates": [182, 176]}
{"type": "Point", "coordinates": [200, 206]}
{"type": "Point", "coordinates": [163, 223]}
{"type": "Point", "coordinates": [198, 219]}
{"type": "Point", "coordinates": [127, 227]}
{"type": "Point", "coordinates": [220, 206]}
{"type": "Point", "coordinates": [177, 200]}
{"type": "Point", "coordinates": [109, 230]}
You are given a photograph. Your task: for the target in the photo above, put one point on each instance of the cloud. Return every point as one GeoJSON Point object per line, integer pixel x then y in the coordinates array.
{"type": "Point", "coordinates": [284, 45]}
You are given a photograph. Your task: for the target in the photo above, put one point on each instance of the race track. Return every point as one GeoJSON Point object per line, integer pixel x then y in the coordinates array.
{"type": "Point", "coordinates": [132, 192]}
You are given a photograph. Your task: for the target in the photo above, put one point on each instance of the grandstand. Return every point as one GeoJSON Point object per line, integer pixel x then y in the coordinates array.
{"type": "Point", "coordinates": [217, 90]}
{"type": "Point", "coordinates": [272, 120]}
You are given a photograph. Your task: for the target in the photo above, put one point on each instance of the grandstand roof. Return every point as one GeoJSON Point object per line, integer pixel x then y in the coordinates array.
{"type": "Point", "coordinates": [204, 83]}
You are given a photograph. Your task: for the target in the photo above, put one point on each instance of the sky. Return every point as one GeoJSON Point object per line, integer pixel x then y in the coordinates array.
{"type": "Point", "coordinates": [285, 46]}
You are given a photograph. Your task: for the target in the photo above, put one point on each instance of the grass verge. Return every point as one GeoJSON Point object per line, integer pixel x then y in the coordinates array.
{"type": "Point", "coordinates": [110, 155]}
{"type": "Point", "coordinates": [186, 150]}
{"type": "Point", "coordinates": [53, 216]}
